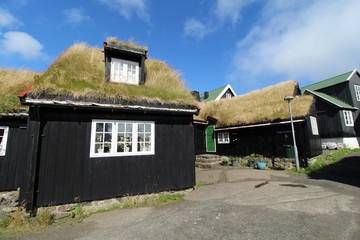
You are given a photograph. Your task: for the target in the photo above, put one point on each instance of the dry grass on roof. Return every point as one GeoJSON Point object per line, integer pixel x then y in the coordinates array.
{"type": "Point", "coordinates": [12, 83]}
{"type": "Point", "coordinates": [80, 73]}
{"type": "Point", "coordinates": [258, 106]}
{"type": "Point", "coordinates": [129, 43]}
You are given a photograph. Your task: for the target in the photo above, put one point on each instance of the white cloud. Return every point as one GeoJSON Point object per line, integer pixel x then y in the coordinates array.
{"type": "Point", "coordinates": [230, 9]}
{"type": "Point", "coordinates": [128, 8]}
{"type": "Point", "coordinates": [7, 19]}
{"type": "Point", "coordinates": [75, 15]}
{"type": "Point", "coordinates": [225, 10]}
{"type": "Point", "coordinates": [195, 28]}
{"type": "Point", "coordinates": [301, 41]}
{"type": "Point", "coordinates": [21, 43]}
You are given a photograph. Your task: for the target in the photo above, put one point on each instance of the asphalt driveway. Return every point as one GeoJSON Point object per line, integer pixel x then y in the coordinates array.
{"type": "Point", "coordinates": [238, 204]}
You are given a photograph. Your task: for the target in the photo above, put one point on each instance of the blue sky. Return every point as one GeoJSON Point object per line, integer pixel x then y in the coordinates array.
{"type": "Point", "coordinates": [250, 44]}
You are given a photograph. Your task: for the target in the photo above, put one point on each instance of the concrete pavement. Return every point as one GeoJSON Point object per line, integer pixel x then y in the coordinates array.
{"type": "Point", "coordinates": [236, 204]}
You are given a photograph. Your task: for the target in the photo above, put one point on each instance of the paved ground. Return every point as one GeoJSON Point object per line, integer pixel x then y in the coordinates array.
{"type": "Point", "coordinates": [241, 204]}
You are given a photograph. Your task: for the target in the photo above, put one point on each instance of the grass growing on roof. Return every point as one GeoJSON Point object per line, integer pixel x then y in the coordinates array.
{"type": "Point", "coordinates": [12, 83]}
{"type": "Point", "coordinates": [80, 73]}
{"type": "Point", "coordinates": [129, 43]}
{"type": "Point", "coordinates": [258, 106]}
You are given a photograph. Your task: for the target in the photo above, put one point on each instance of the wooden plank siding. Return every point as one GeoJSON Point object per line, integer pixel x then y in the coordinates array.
{"type": "Point", "coordinates": [331, 121]}
{"type": "Point", "coordinates": [67, 173]}
{"type": "Point", "coordinates": [12, 164]}
{"type": "Point", "coordinates": [270, 140]}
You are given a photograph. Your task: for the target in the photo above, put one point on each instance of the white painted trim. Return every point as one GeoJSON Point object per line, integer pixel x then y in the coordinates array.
{"type": "Point", "coordinates": [4, 141]}
{"type": "Point", "coordinates": [352, 74]}
{"type": "Point", "coordinates": [105, 105]}
{"type": "Point", "coordinates": [258, 125]}
{"type": "Point", "coordinates": [224, 91]}
{"type": "Point", "coordinates": [114, 139]}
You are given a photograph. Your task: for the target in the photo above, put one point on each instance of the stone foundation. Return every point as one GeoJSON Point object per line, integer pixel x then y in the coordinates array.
{"type": "Point", "coordinates": [8, 203]}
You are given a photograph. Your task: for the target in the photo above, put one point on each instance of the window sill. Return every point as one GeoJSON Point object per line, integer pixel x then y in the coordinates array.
{"type": "Point", "coordinates": [126, 154]}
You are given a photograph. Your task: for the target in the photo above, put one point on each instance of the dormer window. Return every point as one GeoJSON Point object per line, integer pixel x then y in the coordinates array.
{"type": "Point", "coordinates": [124, 64]}
{"type": "Point", "coordinates": [123, 71]}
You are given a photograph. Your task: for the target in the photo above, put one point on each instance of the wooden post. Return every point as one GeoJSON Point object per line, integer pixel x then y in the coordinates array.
{"type": "Point", "coordinates": [34, 146]}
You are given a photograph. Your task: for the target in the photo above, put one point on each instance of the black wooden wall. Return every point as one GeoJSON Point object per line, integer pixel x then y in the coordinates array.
{"type": "Point", "coordinates": [13, 163]}
{"type": "Point", "coordinates": [331, 121]}
{"type": "Point", "coordinates": [65, 170]}
{"type": "Point", "coordinates": [200, 138]}
{"type": "Point", "coordinates": [270, 140]}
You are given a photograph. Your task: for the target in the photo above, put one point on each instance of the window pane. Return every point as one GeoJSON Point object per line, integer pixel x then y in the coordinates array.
{"type": "Point", "coordinates": [141, 137]}
{"type": "Point", "coordinates": [129, 127]}
{"type": "Point", "coordinates": [148, 137]}
{"type": "Point", "coordinates": [128, 137]}
{"type": "Point", "coordinates": [121, 137]}
{"type": "Point", "coordinates": [121, 127]}
{"type": "Point", "coordinates": [108, 127]}
{"type": "Point", "coordinates": [141, 127]}
{"type": "Point", "coordinates": [108, 137]}
{"type": "Point", "coordinates": [99, 148]}
{"type": "Point", "coordinates": [128, 147]}
{"type": "Point", "coordinates": [148, 127]}
{"type": "Point", "coordinates": [107, 147]}
{"type": "Point", "coordinates": [120, 147]}
{"type": "Point", "coordinates": [99, 137]}
{"type": "Point", "coordinates": [99, 127]}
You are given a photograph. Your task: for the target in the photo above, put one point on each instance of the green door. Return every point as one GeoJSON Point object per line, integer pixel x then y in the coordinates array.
{"type": "Point", "coordinates": [210, 139]}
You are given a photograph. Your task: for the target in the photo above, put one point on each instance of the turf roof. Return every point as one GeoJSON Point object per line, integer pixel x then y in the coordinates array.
{"type": "Point", "coordinates": [12, 83]}
{"type": "Point", "coordinates": [263, 105]}
{"type": "Point", "coordinates": [80, 74]}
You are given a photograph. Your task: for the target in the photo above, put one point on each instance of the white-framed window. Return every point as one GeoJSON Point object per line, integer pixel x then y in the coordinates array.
{"type": "Point", "coordinates": [3, 139]}
{"type": "Point", "coordinates": [123, 71]}
{"type": "Point", "coordinates": [348, 117]}
{"type": "Point", "coordinates": [314, 126]}
{"type": "Point", "coordinates": [223, 137]}
{"type": "Point", "coordinates": [122, 138]}
{"type": "Point", "coordinates": [357, 92]}
{"type": "Point", "coordinates": [228, 95]}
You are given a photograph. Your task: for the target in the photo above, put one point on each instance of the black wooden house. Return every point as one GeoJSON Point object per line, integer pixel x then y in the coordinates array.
{"type": "Point", "coordinates": [99, 131]}
{"type": "Point", "coordinates": [337, 107]}
{"type": "Point", "coordinates": [259, 122]}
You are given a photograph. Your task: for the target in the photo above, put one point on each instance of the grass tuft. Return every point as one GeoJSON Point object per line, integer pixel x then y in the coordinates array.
{"type": "Point", "coordinates": [131, 43]}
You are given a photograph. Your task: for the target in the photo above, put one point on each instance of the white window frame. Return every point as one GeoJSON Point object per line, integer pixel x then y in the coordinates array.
{"type": "Point", "coordinates": [357, 92]}
{"type": "Point", "coordinates": [228, 95]}
{"type": "Point", "coordinates": [348, 118]}
{"type": "Point", "coordinates": [314, 125]}
{"type": "Point", "coordinates": [3, 142]}
{"type": "Point", "coordinates": [123, 74]}
{"type": "Point", "coordinates": [223, 137]}
{"type": "Point", "coordinates": [113, 150]}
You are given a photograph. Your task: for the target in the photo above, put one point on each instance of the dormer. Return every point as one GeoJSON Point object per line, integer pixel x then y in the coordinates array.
{"type": "Point", "coordinates": [124, 64]}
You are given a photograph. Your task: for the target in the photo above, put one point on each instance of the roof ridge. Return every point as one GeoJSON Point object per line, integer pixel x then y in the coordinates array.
{"type": "Point", "coordinates": [328, 79]}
